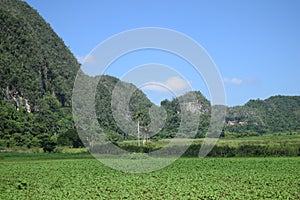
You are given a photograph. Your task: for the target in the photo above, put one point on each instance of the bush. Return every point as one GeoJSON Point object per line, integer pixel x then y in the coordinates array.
{"type": "Point", "coordinates": [48, 143]}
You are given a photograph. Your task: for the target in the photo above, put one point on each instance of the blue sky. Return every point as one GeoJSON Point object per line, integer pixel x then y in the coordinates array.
{"type": "Point", "coordinates": [254, 43]}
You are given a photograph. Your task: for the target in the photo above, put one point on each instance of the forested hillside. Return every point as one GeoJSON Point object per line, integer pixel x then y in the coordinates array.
{"type": "Point", "coordinates": [34, 60]}
{"type": "Point", "coordinates": [273, 115]}
{"type": "Point", "coordinates": [139, 106]}
{"type": "Point", "coordinates": [200, 106]}
{"type": "Point", "coordinates": [37, 73]}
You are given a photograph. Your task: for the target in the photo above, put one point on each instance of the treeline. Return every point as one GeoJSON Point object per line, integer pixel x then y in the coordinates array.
{"type": "Point", "coordinates": [51, 126]}
{"type": "Point", "coordinates": [243, 150]}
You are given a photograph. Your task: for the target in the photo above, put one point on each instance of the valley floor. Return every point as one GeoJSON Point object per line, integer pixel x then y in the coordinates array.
{"type": "Point", "coordinates": [79, 176]}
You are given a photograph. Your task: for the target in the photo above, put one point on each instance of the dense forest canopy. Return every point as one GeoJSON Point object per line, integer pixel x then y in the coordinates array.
{"type": "Point", "coordinates": [37, 73]}
{"type": "Point", "coordinates": [275, 114]}
{"type": "Point", "coordinates": [34, 60]}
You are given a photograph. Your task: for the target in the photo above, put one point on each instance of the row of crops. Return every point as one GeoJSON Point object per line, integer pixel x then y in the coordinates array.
{"type": "Point", "coordinates": [187, 178]}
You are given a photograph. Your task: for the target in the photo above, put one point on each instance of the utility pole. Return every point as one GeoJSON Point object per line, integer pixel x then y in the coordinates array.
{"type": "Point", "coordinates": [138, 127]}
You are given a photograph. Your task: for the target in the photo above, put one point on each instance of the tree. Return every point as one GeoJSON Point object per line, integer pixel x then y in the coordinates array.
{"type": "Point", "coordinates": [48, 142]}
{"type": "Point", "coordinates": [70, 138]}
{"type": "Point", "coordinates": [138, 117]}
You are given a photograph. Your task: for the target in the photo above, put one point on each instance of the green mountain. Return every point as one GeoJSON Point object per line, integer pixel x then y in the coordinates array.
{"type": "Point", "coordinates": [195, 104]}
{"type": "Point", "coordinates": [138, 107]}
{"type": "Point", "coordinates": [34, 60]}
{"type": "Point", "coordinates": [37, 72]}
{"type": "Point", "coordinates": [273, 115]}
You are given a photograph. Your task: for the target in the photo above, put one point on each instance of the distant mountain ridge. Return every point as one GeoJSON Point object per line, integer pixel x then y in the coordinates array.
{"type": "Point", "coordinates": [275, 114]}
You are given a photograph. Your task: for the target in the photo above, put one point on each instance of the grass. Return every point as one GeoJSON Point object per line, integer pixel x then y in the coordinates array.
{"type": "Point", "coordinates": [79, 176]}
{"type": "Point", "coordinates": [266, 145]}
{"type": "Point", "coordinates": [21, 157]}
{"type": "Point", "coordinates": [270, 139]}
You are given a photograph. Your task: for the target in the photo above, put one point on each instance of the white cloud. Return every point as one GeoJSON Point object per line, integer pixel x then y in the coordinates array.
{"type": "Point", "coordinates": [155, 86]}
{"type": "Point", "coordinates": [177, 84]}
{"type": "Point", "coordinates": [235, 81]}
{"type": "Point", "coordinates": [174, 84]}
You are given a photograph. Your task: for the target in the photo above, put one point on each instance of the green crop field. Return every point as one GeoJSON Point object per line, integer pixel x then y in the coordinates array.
{"type": "Point", "coordinates": [79, 176]}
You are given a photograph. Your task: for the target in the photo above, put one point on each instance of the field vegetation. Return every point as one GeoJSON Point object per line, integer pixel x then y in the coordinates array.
{"type": "Point", "coordinates": [79, 176]}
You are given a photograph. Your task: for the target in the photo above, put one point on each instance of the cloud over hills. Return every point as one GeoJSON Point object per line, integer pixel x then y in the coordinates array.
{"type": "Point", "coordinates": [173, 84]}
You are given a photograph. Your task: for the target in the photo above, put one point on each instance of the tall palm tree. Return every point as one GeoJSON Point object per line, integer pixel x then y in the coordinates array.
{"type": "Point", "coordinates": [139, 116]}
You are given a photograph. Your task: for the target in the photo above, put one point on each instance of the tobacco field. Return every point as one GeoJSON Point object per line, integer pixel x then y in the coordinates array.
{"type": "Point", "coordinates": [83, 177]}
